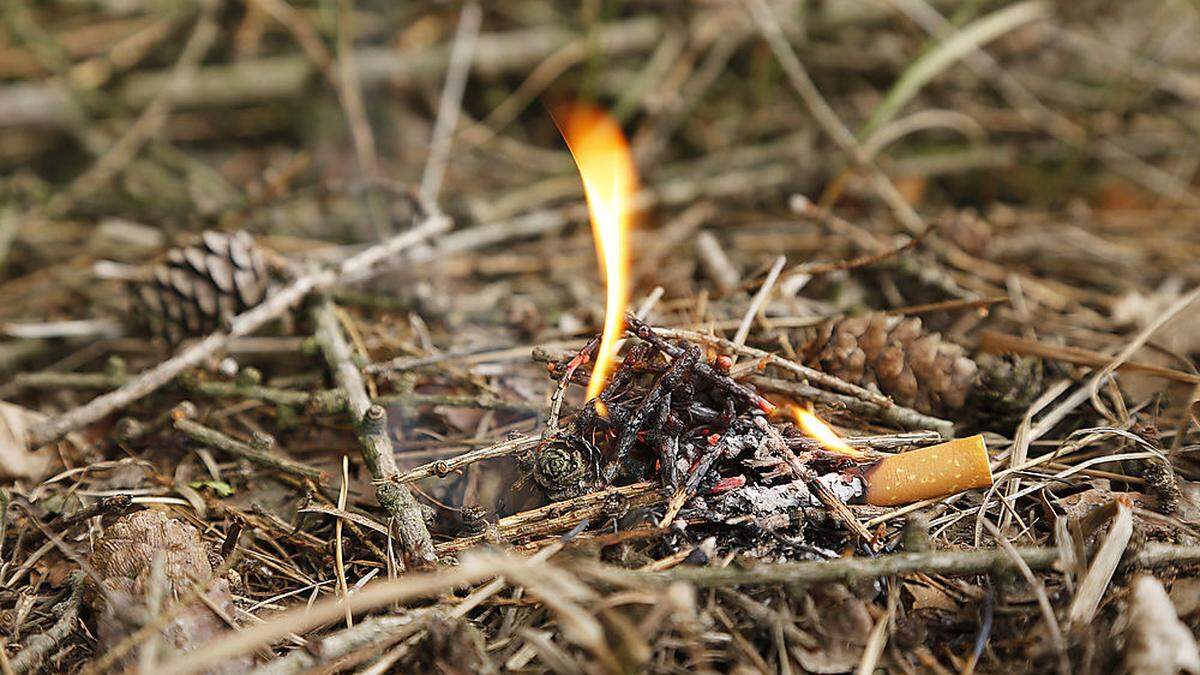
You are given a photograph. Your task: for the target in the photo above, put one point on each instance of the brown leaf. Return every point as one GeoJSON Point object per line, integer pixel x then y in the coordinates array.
{"type": "Point", "coordinates": [17, 461]}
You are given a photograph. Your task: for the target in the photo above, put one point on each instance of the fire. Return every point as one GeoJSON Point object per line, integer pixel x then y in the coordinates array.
{"type": "Point", "coordinates": [609, 182]}
{"type": "Point", "coordinates": [818, 429]}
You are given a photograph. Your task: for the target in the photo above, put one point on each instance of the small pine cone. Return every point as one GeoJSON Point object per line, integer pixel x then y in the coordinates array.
{"type": "Point", "coordinates": [898, 358]}
{"type": "Point", "coordinates": [1006, 387]}
{"type": "Point", "coordinates": [198, 288]}
{"type": "Point", "coordinates": [124, 560]}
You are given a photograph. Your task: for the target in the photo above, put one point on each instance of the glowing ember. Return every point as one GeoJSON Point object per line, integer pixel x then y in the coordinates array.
{"type": "Point", "coordinates": [609, 182]}
{"type": "Point", "coordinates": [816, 428]}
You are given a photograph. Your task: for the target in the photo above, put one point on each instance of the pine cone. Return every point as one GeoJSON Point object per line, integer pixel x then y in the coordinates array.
{"type": "Point", "coordinates": [198, 288]}
{"type": "Point", "coordinates": [919, 369]}
{"type": "Point", "coordinates": [123, 560]}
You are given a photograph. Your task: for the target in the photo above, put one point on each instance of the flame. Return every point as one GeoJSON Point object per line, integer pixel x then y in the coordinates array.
{"type": "Point", "coordinates": [818, 429]}
{"type": "Point", "coordinates": [609, 182]}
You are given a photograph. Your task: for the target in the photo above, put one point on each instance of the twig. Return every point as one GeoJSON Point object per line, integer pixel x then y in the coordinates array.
{"type": "Point", "coordinates": [281, 78]}
{"type": "Point", "coordinates": [151, 118]}
{"type": "Point", "coordinates": [999, 343]}
{"type": "Point", "coordinates": [103, 506]}
{"type": "Point", "coordinates": [213, 438]}
{"type": "Point", "coordinates": [450, 105]}
{"type": "Point", "coordinates": [376, 630]}
{"type": "Point", "coordinates": [757, 302]}
{"type": "Point", "coordinates": [151, 380]}
{"type": "Point", "coordinates": [441, 467]}
{"type": "Point", "coordinates": [374, 442]}
{"type": "Point", "coordinates": [716, 262]}
{"type": "Point", "coordinates": [327, 401]}
{"type": "Point", "coordinates": [974, 561]}
{"type": "Point", "coordinates": [40, 646]}
{"type": "Point", "coordinates": [905, 418]}
{"type": "Point", "coordinates": [801, 472]}
{"type": "Point", "coordinates": [824, 114]}
{"type": "Point", "coordinates": [811, 375]}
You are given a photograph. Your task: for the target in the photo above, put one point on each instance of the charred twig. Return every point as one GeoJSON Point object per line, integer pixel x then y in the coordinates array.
{"type": "Point", "coordinates": [376, 446]}
{"type": "Point", "coordinates": [104, 506]}
{"type": "Point", "coordinates": [653, 400]}
{"type": "Point", "coordinates": [644, 331]}
{"type": "Point", "coordinates": [801, 472]}
{"type": "Point", "coordinates": [151, 380]}
{"type": "Point", "coordinates": [259, 455]}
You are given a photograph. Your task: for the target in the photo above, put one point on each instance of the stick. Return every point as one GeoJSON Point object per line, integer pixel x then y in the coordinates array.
{"type": "Point", "coordinates": [756, 303]}
{"type": "Point", "coordinates": [327, 401]}
{"type": "Point", "coordinates": [900, 416]}
{"type": "Point", "coordinates": [288, 77]}
{"type": "Point", "coordinates": [151, 380]}
{"type": "Point", "coordinates": [821, 111]}
{"type": "Point", "coordinates": [825, 380]}
{"type": "Point", "coordinates": [999, 343]}
{"type": "Point", "coordinates": [40, 646]}
{"type": "Point", "coordinates": [976, 561]}
{"type": "Point", "coordinates": [213, 438]}
{"type": "Point", "coordinates": [374, 442]}
{"type": "Point", "coordinates": [450, 106]}
{"type": "Point", "coordinates": [443, 467]}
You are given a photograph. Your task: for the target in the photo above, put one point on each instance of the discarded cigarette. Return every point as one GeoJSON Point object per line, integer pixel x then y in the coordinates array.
{"type": "Point", "coordinates": [939, 470]}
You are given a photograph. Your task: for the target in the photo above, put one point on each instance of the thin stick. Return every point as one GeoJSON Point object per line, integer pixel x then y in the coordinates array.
{"type": "Point", "coordinates": [905, 418]}
{"type": "Point", "coordinates": [152, 117]}
{"type": "Point", "coordinates": [824, 114]}
{"type": "Point", "coordinates": [213, 438]}
{"type": "Point", "coordinates": [812, 375]}
{"type": "Point", "coordinates": [950, 562]}
{"type": "Point", "coordinates": [444, 467]}
{"type": "Point", "coordinates": [450, 105]}
{"type": "Point", "coordinates": [757, 302]}
{"type": "Point", "coordinates": [151, 380]}
{"type": "Point", "coordinates": [999, 343]}
{"type": "Point", "coordinates": [374, 442]}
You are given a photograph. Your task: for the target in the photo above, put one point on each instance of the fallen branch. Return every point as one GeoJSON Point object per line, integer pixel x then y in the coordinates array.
{"type": "Point", "coordinates": [976, 561]}
{"type": "Point", "coordinates": [151, 380]}
{"type": "Point", "coordinates": [376, 446]}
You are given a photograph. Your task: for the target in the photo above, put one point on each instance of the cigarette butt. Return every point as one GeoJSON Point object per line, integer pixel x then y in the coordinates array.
{"type": "Point", "coordinates": [939, 470]}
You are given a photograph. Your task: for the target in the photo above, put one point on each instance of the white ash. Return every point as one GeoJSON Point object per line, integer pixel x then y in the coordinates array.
{"type": "Point", "coordinates": [765, 503]}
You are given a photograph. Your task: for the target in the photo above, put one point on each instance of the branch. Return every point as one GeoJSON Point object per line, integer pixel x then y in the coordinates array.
{"type": "Point", "coordinates": [374, 442]}
{"type": "Point", "coordinates": [151, 380]}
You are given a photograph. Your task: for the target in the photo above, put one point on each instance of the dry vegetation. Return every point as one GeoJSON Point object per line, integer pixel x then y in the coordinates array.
{"type": "Point", "coordinates": [298, 301]}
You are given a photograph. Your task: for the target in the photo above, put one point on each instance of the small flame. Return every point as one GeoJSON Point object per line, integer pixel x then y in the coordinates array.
{"type": "Point", "coordinates": [818, 429]}
{"type": "Point", "coordinates": [609, 183]}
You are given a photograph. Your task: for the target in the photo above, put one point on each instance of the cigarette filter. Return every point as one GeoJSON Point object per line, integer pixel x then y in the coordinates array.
{"type": "Point", "coordinates": [936, 471]}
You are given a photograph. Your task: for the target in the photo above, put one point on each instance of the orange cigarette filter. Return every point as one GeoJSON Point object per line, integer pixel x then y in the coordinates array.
{"type": "Point", "coordinates": [939, 470]}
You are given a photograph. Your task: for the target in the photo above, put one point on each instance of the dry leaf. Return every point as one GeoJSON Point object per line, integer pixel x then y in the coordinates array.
{"type": "Point", "coordinates": [17, 461]}
{"type": "Point", "coordinates": [1196, 412]}
{"type": "Point", "coordinates": [845, 626]}
{"type": "Point", "coordinates": [928, 597]}
{"type": "Point", "coordinates": [1156, 641]}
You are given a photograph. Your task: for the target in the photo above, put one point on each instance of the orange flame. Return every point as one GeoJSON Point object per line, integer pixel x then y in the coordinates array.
{"type": "Point", "coordinates": [609, 183]}
{"type": "Point", "coordinates": [818, 429]}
